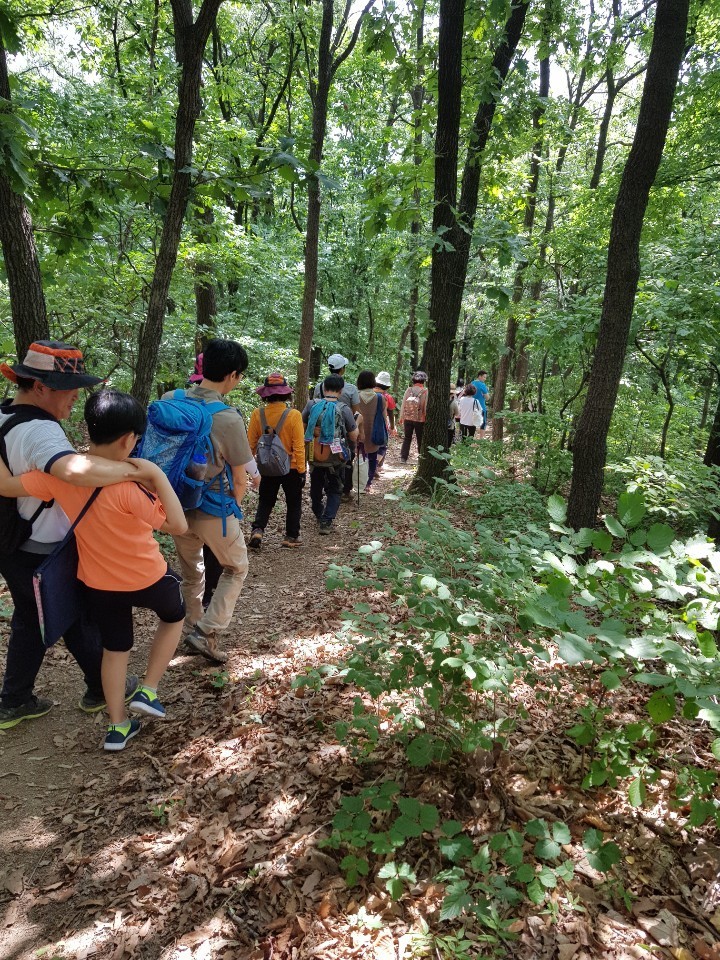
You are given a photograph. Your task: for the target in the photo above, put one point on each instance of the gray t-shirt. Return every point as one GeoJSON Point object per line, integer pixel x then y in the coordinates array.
{"type": "Point", "coordinates": [349, 394]}
{"type": "Point", "coordinates": [36, 445]}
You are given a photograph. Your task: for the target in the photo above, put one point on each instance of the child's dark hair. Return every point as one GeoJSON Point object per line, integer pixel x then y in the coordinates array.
{"type": "Point", "coordinates": [333, 383]}
{"type": "Point", "coordinates": [365, 380]}
{"type": "Point", "coordinates": [110, 414]}
{"type": "Point", "coordinates": [221, 357]}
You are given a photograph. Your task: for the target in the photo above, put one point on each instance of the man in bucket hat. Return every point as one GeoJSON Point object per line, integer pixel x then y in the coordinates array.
{"type": "Point", "coordinates": [48, 383]}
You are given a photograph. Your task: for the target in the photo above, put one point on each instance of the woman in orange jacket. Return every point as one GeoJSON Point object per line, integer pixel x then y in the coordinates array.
{"type": "Point", "coordinates": [275, 391]}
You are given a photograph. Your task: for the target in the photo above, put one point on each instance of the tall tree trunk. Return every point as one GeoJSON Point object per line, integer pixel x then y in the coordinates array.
{"type": "Point", "coordinates": [449, 266]}
{"type": "Point", "coordinates": [190, 40]}
{"type": "Point", "coordinates": [27, 300]}
{"type": "Point", "coordinates": [418, 96]}
{"type": "Point", "coordinates": [623, 268]}
{"type": "Point", "coordinates": [508, 356]}
{"type": "Point", "coordinates": [329, 59]}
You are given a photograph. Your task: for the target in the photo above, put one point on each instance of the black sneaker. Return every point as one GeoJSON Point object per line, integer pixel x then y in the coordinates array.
{"type": "Point", "coordinates": [90, 704]}
{"type": "Point", "coordinates": [255, 541]}
{"type": "Point", "coordinates": [32, 708]}
{"type": "Point", "coordinates": [325, 527]}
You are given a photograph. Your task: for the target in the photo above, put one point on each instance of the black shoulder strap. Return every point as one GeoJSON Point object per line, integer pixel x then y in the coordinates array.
{"type": "Point", "coordinates": [22, 413]}
{"type": "Point", "coordinates": [91, 499]}
{"type": "Point", "coordinates": [263, 420]}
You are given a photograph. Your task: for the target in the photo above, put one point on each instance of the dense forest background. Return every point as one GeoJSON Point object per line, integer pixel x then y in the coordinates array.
{"type": "Point", "coordinates": [524, 690]}
{"type": "Point", "coordinates": [306, 218]}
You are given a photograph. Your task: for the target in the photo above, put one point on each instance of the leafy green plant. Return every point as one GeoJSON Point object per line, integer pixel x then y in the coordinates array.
{"type": "Point", "coordinates": [683, 492]}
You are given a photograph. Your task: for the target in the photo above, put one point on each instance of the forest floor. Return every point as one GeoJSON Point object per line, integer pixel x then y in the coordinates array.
{"type": "Point", "coordinates": [200, 840]}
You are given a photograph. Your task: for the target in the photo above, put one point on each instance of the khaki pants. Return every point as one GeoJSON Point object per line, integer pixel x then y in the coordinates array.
{"type": "Point", "coordinates": [232, 555]}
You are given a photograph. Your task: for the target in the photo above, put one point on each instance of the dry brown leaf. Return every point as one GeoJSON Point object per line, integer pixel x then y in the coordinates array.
{"type": "Point", "coordinates": [384, 947]}
{"type": "Point", "coordinates": [13, 882]}
{"type": "Point", "coordinates": [311, 882]}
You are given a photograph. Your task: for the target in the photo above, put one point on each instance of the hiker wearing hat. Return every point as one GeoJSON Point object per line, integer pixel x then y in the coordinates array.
{"type": "Point", "coordinates": [350, 396]}
{"type": "Point", "coordinates": [275, 391]}
{"type": "Point", "coordinates": [382, 386]}
{"type": "Point", "coordinates": [413, 412]}
{"type": "Point", "coordinates": [48, 383]}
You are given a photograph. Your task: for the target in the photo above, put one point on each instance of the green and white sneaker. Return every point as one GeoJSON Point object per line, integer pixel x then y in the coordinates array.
{"type": "Point", "coordinates": [118, 734]}
{"type": "Point", "coordinates": [145, 701]}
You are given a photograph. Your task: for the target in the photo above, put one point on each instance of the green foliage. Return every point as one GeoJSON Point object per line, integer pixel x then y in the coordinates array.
{"type": "Point", "coordinates": [630, 607]}
{"type": "Point", "coordinates": [684, 492]}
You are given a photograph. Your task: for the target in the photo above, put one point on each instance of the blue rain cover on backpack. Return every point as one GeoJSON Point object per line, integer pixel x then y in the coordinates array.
{"type": "Point", "coordinates": [178, 431]}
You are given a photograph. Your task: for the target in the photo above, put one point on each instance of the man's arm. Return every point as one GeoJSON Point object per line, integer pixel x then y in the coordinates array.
{"type": "Point", "coordinates": [85, 471]}
{"type": "Point", "coordinates": [10, 486]}
{"type": "Point", "coordinates": [239, 478]}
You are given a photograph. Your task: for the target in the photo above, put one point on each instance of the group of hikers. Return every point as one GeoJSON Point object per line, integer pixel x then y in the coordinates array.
{"type": "Point", "coordinates": [194, 464]}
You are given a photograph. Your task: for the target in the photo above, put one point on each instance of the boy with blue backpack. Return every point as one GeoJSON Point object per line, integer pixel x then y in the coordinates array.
{"type": "Point", "coordinates": [201, 444]}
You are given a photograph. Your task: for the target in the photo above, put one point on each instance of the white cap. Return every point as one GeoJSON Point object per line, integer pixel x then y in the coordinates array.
{"type": "Point", "coordinates": [383, 379]}
{"type": "Point", "coordinates": [336, 361]}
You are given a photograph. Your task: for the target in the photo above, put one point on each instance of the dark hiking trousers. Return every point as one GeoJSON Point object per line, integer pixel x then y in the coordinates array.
{"type": "Point", "coordinates": [410, 427]}
{"type": "Point", "coordinates": [325, 480]}
{"type": "Point", "coordinates": [26, 649]}
{"type": "Point", "coordinates": [292, 486]}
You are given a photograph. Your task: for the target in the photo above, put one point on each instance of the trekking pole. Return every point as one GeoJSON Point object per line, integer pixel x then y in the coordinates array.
{"type": "Point", "coordinates": [357, 457]}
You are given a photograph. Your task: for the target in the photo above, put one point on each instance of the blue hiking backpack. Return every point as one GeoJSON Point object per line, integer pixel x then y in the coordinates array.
{"type": "Point", "coordinates": [177, 439]}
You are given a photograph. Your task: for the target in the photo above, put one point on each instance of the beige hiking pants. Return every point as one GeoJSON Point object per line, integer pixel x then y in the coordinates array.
{"type": "Point", "coordinates": [232, 556]}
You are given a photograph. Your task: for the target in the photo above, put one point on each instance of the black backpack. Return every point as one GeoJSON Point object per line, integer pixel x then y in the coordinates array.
{"type": "Point", "coordinates": [14, 529]}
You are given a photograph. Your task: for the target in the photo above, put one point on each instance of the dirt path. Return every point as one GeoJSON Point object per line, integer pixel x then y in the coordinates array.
{"type": "Point", "coordinates": [69, 811]}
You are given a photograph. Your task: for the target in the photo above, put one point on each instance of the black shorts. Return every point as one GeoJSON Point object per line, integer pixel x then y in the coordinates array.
{"type": "Point", "coordinates": [112, 610]}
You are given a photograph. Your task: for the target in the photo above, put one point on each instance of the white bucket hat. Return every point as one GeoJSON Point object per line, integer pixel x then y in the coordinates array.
{"type": "Point", "coordinates": [383, 379]}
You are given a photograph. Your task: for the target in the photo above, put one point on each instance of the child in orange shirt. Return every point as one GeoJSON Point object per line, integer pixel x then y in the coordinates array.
{"type": "Point", "coordinates": [119, 560]}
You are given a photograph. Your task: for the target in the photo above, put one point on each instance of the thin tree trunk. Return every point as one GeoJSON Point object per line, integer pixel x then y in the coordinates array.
{"type": "Point", "coordinates": [449, 266]}
{"type": "Point", "coordinates": [661, 370]}
{"type": "Point", "coordinates": [400, 356]}
{"type": "Point", "coordinates": [623, 269]}
{"type": "Point", "coordinates": [709, 383]}
{"type": "Point", "coordinates": [329, 60]}
{"type": "Point", "coordinates": [27, 300]}
{"type": "Point", "coordinates": [205, 293]}
{"type": "Point", "coordinates": [190, 40]}
{"type": "Point", "coordinates": [508, 356]}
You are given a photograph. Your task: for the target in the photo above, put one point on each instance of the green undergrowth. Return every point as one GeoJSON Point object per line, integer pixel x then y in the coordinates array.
{"type": "Point", "coordinates": [495, 614]}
